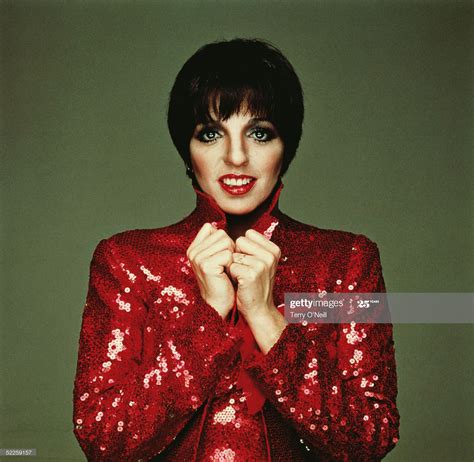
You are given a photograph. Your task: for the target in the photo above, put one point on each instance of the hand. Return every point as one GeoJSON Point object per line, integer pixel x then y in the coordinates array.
{"type": "Point", "coordinates": [254, 266]}
{"type": "Point", "coordinates": [209, 254]}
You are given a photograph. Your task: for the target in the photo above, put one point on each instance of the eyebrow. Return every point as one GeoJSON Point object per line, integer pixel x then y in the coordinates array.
{"type": "Point", "coordinates": [217, 123]}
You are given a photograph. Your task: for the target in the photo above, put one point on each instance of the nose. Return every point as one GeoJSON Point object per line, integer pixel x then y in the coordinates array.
{"type": "Point", "coordinates": [236, 154]}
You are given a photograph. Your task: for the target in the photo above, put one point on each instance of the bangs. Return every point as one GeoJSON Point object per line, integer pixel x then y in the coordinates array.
{"type": "Point", "coordinates": [241, 76]}
{"type": "Point", "coordinates": [219, 101]}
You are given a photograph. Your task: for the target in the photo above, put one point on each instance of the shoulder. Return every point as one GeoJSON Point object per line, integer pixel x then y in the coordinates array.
{"type": "Point", "coordinates": [143, 242]}
{"type": "Point", "coordinates": [334, 241]}
{"type": "Point", "coordinates": [337, 258]}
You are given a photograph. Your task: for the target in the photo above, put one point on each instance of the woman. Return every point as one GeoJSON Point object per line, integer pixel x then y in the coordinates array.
{"type": "Point", "coordinates": [185, 353]}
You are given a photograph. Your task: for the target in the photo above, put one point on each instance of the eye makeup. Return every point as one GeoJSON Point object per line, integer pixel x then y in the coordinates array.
{"type": "Point", "coordinates": [261, 130]}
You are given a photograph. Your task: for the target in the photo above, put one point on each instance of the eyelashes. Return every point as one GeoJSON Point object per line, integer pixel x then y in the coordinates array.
{"type": "Point", "coordinates": [261, 135]}
{"type": "Point", "coordinates": [204, 133]}
{"type": "Point", "coordinates": [268, 134]}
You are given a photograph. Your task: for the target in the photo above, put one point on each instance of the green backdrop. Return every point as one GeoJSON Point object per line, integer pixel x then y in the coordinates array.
{"type": "Point", "coordinates": [386, 152]}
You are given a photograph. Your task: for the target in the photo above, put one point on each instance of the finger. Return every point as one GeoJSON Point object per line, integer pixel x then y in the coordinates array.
{"type": "Point", "coordinates": [205, 242]}
{"type": "Point", "coordinates": [217, 264]}
{"type": "Point", "coordinates": [203, 253]}
{"type": "Point", "coordinates": [251, 261]}
{"type": "Point", "coordinates": [206, 230]}
{"type": "Point", "coordinates": [250, 247]}
{"type": "Point", "coordinates": [218, 236]}
{"type": "Point", "coordinates": [238, 272]}
{"type": "Point", "coordinates": [223, 259]}
{"type": "Point", "coordinates": [241, 272]}
{"type": "Point", "coordinates": [264, 241]}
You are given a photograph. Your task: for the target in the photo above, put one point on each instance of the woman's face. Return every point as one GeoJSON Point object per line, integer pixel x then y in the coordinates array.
{"type": "Point", "coordinates": [240, 147]}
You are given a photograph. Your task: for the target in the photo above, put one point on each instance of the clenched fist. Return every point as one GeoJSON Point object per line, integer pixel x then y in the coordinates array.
{"type": "Point", "coordinates": [249, 264]}
{"type": "Point", "coordinates": [210, 254]}
{"type": "Point", "coordinates": [255, 262]}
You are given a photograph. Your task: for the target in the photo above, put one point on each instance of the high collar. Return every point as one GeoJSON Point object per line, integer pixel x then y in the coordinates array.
{"type": "Point", "coordinates": [207, 210]}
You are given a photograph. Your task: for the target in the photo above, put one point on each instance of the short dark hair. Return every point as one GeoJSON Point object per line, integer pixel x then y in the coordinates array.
{"type": "Point", "coordinates": [231, 73]}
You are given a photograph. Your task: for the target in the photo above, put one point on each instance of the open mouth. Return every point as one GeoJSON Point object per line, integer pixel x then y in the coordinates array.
{"type": "Point", "coordinates": [235, 185]}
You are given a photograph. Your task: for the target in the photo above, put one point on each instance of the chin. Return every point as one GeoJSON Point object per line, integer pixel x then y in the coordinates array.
{"type": "Point", "coordinates": [236, 209]}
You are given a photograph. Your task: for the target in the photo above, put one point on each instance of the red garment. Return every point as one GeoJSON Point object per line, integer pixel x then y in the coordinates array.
{"type": "Point", "coordinates": [158, 367]}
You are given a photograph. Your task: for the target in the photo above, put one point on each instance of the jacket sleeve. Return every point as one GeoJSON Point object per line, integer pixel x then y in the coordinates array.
{"type": "Point", "coordinates": [337, 383]}
{"type": "Point", "coordinates": [129, 405]}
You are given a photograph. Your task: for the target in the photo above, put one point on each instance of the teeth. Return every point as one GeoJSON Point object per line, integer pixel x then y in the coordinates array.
{"type": "Point", "coordinates": [234, 182]}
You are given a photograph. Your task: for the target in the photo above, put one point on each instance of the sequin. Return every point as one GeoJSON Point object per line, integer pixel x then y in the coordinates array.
{"type": "Point", "coordinates": [149, 275]}
{"type": "Point", "coordinates": [159, 365]}
{"type": "Point", "coordinates": [269, 231]}
{"type": "Point", "coordinates": [225, 416]}
{"type": "Point", "coordinates": [354, 335]}
{"type": "Point", "coordinates": [116, 345]}
{"type": "Point", "coordinates": [132, 277]}
{"type": "Point", "coordinates": [223, 455]}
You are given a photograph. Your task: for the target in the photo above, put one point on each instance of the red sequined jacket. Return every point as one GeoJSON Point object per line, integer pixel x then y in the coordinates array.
{"type": "Point", "coordinates": [157, 366]}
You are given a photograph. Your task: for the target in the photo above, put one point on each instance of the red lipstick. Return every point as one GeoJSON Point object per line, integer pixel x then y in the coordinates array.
{"type": "Point", "coordinates": [237, 190]}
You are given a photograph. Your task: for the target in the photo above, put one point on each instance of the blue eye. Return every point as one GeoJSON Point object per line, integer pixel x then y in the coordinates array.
{"type": "Point", "coordinates": [259, 134]}
{"type": "Point", "coordinates": [208, 135]}
{"type": "Point", "coordinates": [262, 135]}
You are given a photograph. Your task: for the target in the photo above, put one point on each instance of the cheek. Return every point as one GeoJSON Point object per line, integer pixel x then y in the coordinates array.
{"type": "Point", "coordinates": [273, 162]}
{"type": "Point", "coordinates": [201, 163]}
{"type": "Point", "coordinates": [196, 156]}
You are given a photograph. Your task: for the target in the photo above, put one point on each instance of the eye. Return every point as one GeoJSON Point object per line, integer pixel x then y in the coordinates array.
{"type": "Point", "coordinates": [262, 135]}
{"type": "Point", "coordinates": [208, 135]}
